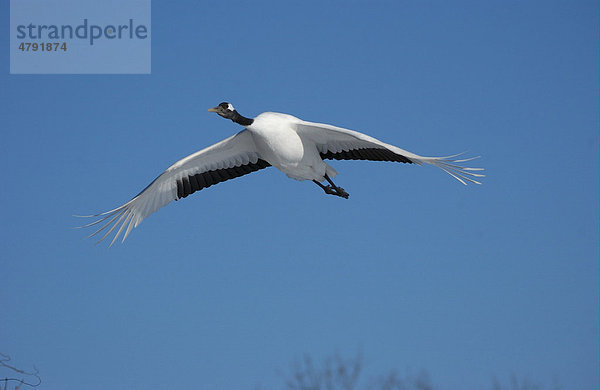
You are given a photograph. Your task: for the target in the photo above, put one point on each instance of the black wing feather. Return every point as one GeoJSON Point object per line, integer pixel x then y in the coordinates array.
{"type": "Point", "coordinates": [190, 184]}
{"type": "Point", "coordinates": [372, 154]}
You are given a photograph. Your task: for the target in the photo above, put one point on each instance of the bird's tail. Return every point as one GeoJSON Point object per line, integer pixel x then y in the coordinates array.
{"type": "Point", "coordinates": [330, 171]}
{"type": "Point", "coordinates": [453, 167]}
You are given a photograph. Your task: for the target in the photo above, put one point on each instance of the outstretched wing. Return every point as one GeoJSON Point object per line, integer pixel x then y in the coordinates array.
{"type": "Point", "coordinates": [342, 144]}
{"type": "Point", "coordinates": [233, 157]}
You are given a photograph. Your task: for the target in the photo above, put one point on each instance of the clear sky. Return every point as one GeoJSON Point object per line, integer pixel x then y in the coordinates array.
{"type": "Point", "coordinates": [224, 289]}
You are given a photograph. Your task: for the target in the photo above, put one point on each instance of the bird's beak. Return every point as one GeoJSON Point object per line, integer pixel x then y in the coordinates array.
{"type": "Point", "coordinates": [214, 109]}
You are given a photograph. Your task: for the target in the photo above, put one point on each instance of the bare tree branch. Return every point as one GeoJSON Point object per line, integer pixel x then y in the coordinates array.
{"type": "Point", "coordinates": [337, 373]}
{"type": "Point", "coordinates": [35, 374]}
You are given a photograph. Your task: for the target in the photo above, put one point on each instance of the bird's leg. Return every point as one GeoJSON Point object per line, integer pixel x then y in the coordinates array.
{"type": "Point", "coordinates": [333, 189]}
{"type": "Point", "coordinates": [339, 190]}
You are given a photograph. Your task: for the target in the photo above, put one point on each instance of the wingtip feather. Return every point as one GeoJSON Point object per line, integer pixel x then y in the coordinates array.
{"type": "Point", "coordinates": [452, 167]}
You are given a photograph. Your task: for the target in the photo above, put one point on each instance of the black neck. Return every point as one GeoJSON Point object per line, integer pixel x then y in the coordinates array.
{"type": "Point", "coordinates": [242, 120]}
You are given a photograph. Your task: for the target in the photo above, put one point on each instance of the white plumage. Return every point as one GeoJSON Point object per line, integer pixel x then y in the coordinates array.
{"type": "Point", "coordinates": [294, 146]}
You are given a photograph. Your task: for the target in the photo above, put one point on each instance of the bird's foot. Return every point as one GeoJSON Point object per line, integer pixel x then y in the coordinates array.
{"type": "Point", "coordinates": [337, 191]}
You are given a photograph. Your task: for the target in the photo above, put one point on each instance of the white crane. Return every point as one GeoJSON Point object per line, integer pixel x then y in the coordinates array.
{"type": "Point", "coordinates": [295, 147]}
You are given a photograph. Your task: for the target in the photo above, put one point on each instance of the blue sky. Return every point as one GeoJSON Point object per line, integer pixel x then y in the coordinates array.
{"type": "Point", "coordinates": [224, 289]}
